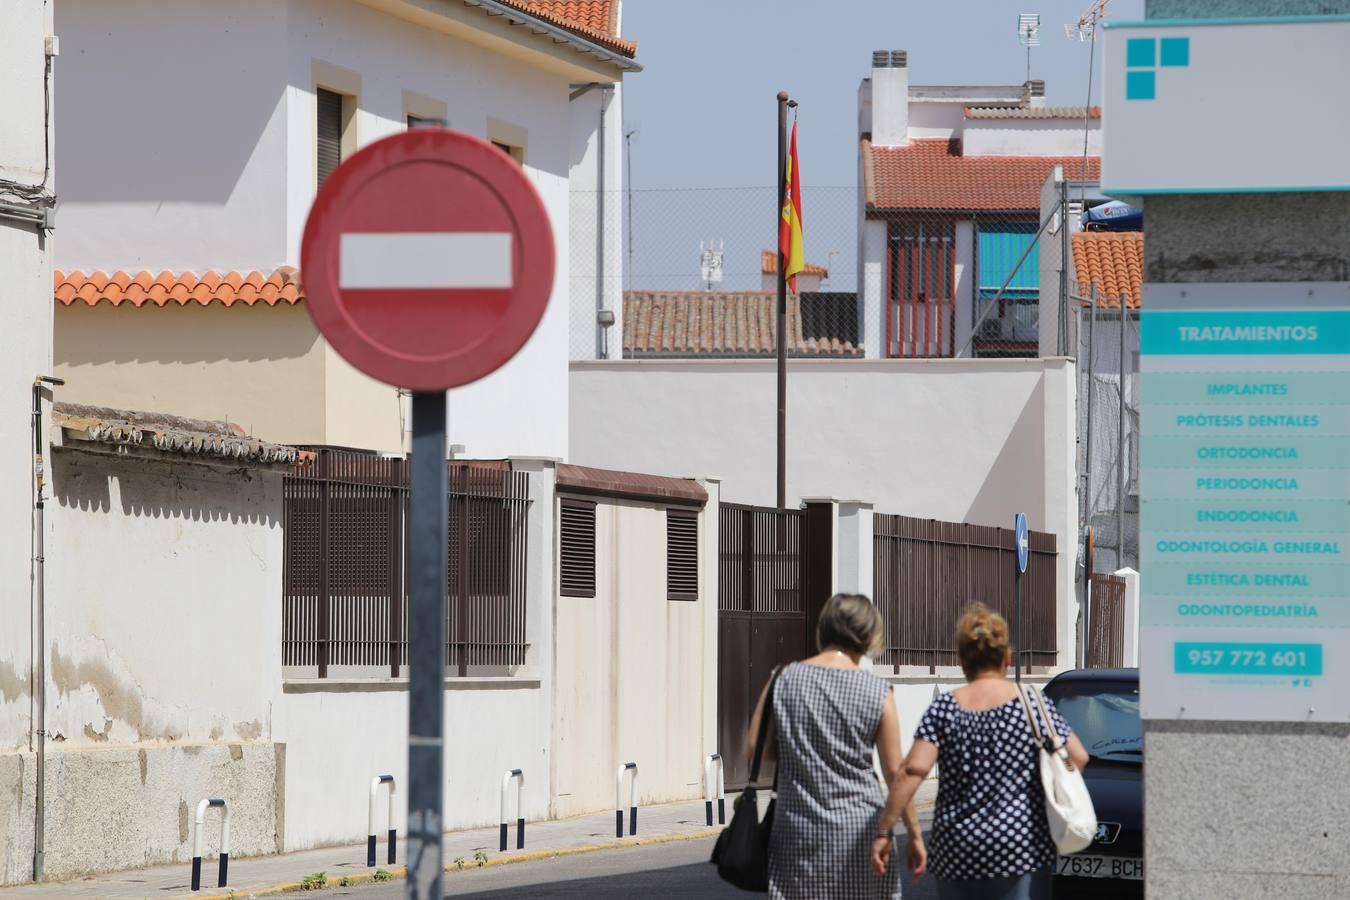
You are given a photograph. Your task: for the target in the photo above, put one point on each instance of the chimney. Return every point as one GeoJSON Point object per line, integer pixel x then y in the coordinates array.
{"type": "Point", "coordinates": [1034, 91]}
{"type": "Point", "coordinates": [890, 98]}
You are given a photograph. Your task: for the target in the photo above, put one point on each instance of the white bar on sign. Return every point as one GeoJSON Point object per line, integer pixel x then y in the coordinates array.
{"type": "Point", "coordinates": [424, 259]}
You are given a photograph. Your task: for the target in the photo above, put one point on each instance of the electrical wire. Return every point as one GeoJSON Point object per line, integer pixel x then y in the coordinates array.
{"type": "Point", "coordinates": [38, 193]}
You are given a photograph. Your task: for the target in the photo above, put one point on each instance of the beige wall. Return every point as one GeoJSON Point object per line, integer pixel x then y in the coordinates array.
{"type": "Point", "coordinates": [264, 368]}
{"type": "Point", "coordinates": [644, 701]}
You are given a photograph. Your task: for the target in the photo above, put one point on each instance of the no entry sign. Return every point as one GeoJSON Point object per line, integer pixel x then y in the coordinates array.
{"type": "Point", "coordinates": [427, 259]}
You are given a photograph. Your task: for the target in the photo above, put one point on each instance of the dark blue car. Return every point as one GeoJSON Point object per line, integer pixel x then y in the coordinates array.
{"type": "Point", "coordinates": [1102, 707]}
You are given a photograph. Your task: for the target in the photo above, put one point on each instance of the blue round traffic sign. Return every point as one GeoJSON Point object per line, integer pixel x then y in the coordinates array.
{"type": "Point", "coordinates": [1023, 541]}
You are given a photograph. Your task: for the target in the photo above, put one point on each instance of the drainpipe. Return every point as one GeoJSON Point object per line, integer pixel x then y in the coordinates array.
{"type": "Point", "coordinates": [602, 321]}
{"type": "Point", "coordinates": [38, 679]}
{"type": "Point", "coordinates": [601, 332]}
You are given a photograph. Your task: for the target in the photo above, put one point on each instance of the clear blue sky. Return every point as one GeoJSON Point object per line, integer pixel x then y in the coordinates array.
{"type": "Point", "coordinates": [704, 106]}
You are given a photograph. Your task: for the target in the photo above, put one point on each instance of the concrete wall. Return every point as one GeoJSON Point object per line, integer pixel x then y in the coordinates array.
{"type": "Point", "coordinates": [632, 668]}
{"type": "Point", "coordinates": [236, 197]}
{"type": "Point", "coordinates": [1281, 835]}
{"type": "Point", "coordinates": [959, 440]}
{"type": "Point", "coordinates": [1029, 137]}
{"type": "Point", "coordinates": [161, 578]}
{"type": "Point", "coordinates": [117, 807]}
{"type": "Point", "coordinates": [25, 266]}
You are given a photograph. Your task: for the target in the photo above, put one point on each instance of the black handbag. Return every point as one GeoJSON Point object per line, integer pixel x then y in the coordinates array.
{"type": "Point", "coordinates": [742, 850]}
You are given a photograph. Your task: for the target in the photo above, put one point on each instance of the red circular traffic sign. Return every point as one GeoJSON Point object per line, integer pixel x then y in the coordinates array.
{"type": "Point", "coordinates": [427, 259]}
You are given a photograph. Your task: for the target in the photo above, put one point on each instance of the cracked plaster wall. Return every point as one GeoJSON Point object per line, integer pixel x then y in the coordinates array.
{"type": "Point", "coordinates": [119, 807]}
{"type": "Point", "coordinates": [164, 666]}
{"type": "Point", "coordinates": [164, 587]}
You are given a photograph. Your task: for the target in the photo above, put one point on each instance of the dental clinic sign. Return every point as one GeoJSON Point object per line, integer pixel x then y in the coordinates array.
{"type": "Point", "coordinates": [1245, 502]}
{"type": "Point", "coordinates": [1226, 106]}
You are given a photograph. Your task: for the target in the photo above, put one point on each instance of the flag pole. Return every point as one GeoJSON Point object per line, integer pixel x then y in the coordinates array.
{"type": "Point", "coordinates": [782, 303]}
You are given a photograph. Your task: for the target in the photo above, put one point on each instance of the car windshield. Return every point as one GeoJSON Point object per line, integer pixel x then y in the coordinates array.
{"type": "Point", "coordinates": [1105, 716]}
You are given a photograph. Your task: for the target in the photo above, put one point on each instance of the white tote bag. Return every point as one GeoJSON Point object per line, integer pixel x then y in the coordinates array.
{"type": "Point", "coordinates": [1068, 805]}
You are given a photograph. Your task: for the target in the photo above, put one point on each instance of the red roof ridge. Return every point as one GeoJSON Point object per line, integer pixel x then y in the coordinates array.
{"type": "Point", "coordinates": [581, 18]}
{"type": "Point", "coordinates": [280, 286]}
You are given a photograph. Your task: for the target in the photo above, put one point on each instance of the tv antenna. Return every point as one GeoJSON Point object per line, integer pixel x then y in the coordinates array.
{"type": "Point", "coordinates": [1029, 34]}
{"type": "Point", "coordinates": [710, 262]}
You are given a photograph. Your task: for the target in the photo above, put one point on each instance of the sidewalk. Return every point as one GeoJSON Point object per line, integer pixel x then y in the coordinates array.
{"type": "Point", "coordinates": [266, 875]}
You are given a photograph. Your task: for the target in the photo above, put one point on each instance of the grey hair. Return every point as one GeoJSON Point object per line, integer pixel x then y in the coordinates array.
{"type": "Point", "coordinates": [850, 621]}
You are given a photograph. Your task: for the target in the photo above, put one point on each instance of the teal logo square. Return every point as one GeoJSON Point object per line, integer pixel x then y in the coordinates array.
{"type": "Point", "coordinates": [1176, 51]}
{"type": "Point", "coordinates": [1141, 52]}
{"type": "Point", "coordinates": [1139, 85]}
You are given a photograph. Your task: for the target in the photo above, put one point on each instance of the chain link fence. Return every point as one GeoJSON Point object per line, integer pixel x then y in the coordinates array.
{"type": "Point", "coordinates": [1108, 424]}
{"type": "Point", "coordinates": [701, 266]}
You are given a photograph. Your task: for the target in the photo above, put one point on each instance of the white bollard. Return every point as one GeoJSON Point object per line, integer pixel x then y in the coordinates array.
{"type": "Point", "coordinates": [632, 800]}
{"type": "Point", "coordinates": [715, 759]}
{"type": "Point", "coordinates": [519, 778]}
{"type": "Point", "coordinates": [224, 843]}
{"type": "Point", "coordinates": [393, 832]}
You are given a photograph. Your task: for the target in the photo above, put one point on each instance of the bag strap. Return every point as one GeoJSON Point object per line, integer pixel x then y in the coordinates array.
{"type": "Point", "coordinates": [765, 715]}
{"type": "Point", "coordinates": [1036, 737]}
{"type": "Point", "coordinates": [1049, 722]}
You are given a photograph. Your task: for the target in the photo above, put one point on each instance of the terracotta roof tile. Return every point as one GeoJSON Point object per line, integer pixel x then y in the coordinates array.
{"type": "Point", "coordinates": [768, 265]}
{"type": "Point", "coordinates": [248, 288]}
{"type": "Point", "coordinates": [931, 173]}
{"type": "Point", "coordinates": [633, 485]}
{"type": "Point", "coordinates": [167, 434]}
{"type": "Point", "coordinates": [720, 324]}
{"type": "Point", "coordinates": [591, 19]}
{"type": "Point", "coordinates": [1114, 260]}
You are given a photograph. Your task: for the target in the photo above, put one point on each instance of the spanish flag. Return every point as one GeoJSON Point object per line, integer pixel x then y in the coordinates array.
{"type": "Point", "coordinates": [792, 257]}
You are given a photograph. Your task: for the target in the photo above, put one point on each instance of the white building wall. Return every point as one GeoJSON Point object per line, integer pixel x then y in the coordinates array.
{"type": "Point", "coordinates": [1030, 137]}
{"type": "Point", "coordinates": [959, 440]}
{"type": "Point", "coordinates": [964, 286]}
{"type": "Point", "coordinates": [222, 179]}
{"type": "Point", "coordinates": [631, 669]}
{"type": "Point", "coordinates": [166, 163]}
{"type": "Point", "coordinates": [25, 267]}
{"type": "Point", "coordinates": [872, 287]}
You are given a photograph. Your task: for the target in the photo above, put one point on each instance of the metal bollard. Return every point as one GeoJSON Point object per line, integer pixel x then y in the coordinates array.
{"type": "Point", "coordinates": [632, 800]}
{"type": "Point", "coordinates": [519, 778]}
{"type": "Point", "coordinates": [715, 759]}
{"type": "Point", "coordinates": [393, 832]}
{"type": "Point", "coordinates": [224, 866]}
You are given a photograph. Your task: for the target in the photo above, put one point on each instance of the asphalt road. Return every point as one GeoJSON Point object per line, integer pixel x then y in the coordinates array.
{"type": "Point", "coordinates": [675, 870]}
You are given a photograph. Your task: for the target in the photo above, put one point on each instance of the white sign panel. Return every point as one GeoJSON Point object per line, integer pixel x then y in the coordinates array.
{"type": "Point", "coordinates": [1226, 106]}
{"type": "Point", "coordinates": [1245, 502]}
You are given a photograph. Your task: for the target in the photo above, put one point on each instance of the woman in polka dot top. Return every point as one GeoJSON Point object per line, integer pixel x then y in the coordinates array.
{"type": "Point", "coordinates": [990, 839]}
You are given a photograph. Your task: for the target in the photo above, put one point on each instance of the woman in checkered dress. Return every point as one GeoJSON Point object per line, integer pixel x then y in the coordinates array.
{"type": "Point", "coordinates": [832, 829]}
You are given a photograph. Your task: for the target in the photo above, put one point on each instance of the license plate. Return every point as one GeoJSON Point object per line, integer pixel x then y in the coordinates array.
{"type": "Point", "coordinates": [1079, 865]}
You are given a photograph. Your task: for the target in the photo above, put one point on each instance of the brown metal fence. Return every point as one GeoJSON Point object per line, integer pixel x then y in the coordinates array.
{"type": "Point", "coordinates": [927, 572]}
{"type": "Point", "coordinates": [1106, 623]}
{"type": "Point", "coordinates": [759, 559]}
{"type": "Point", "coordinates": [345, 592]}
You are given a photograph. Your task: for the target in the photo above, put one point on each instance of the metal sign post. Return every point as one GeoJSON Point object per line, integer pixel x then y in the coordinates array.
{"type": "Point", "coordinates": [428, 262]}
{"type": "Point", "coordinates": [428, 563]}
{"type": "Point", "coordinates": [1022, 540]}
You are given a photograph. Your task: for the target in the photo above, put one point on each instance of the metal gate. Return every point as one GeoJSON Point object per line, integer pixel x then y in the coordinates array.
{"type": "Point", "coordinates": [770, 593]}
{"type": "Point", "coordinates": [1106, 623]}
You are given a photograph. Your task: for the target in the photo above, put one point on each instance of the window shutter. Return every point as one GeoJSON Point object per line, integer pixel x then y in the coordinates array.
{"type": "Point", "coordinates": [681, 554]}
{"type": "Point", "coordinates": [576, 558]}
{"type": "Point", "coordinates": [329, 132]}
